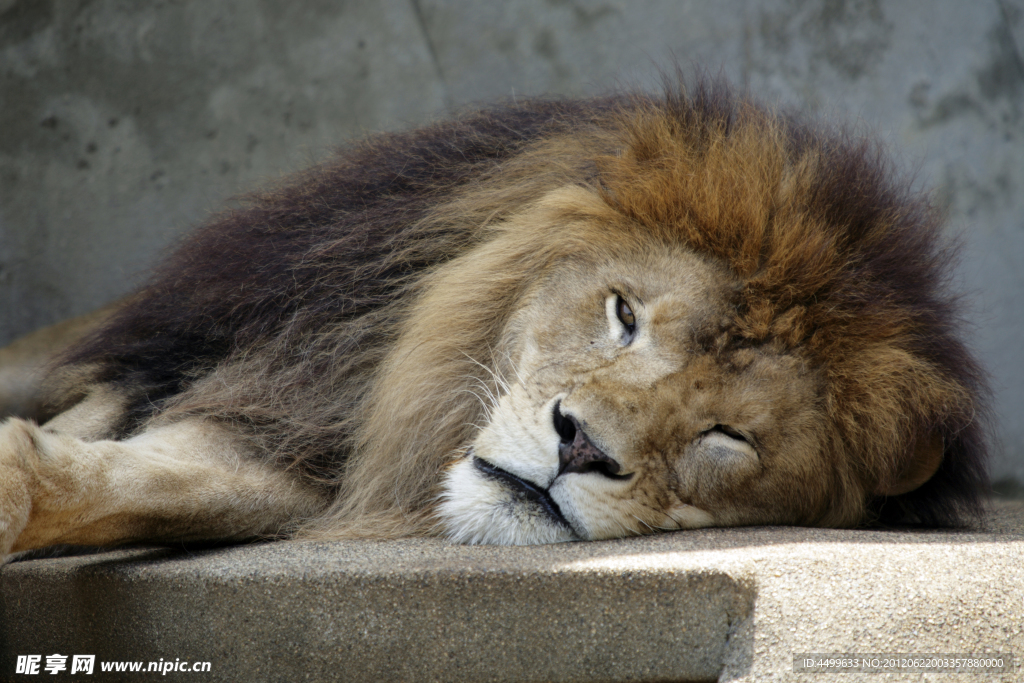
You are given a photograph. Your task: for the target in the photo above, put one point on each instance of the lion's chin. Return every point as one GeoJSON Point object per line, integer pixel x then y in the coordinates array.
{"type": "Point", "coordinates": [478, 507]}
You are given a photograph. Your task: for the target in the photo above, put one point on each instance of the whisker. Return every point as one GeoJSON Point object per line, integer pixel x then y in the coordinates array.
{"type": "Point", "coordinates": [678, 524]}
{"type": "Point", "coordinates": [642, 522]}
{"type": "Point", "coordinates": [500, 381]}
{"type": "Point", "coordinates": [485, 405]}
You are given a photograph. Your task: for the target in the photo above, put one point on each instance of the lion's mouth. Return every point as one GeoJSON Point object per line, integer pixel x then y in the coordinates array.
{"type": "Point", "coordinates": [523, 490]}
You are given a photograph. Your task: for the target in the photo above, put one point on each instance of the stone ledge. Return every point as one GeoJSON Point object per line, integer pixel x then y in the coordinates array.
{"type": "Point", "coordinates": [406, 610]}
{"type": "Point", "coordinates": [734, 604]}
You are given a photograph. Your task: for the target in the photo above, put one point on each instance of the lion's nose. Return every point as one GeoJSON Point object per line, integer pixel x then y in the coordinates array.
{"type": "Point", "coordinates": [576, 452]}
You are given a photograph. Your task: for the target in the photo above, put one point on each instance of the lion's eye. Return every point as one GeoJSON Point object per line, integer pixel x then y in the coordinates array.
{"type": "Point", "coordinates": [730, 432]}
{"type": "Point", "coordinates": [622, 325]}
{"type": "Point", "coordinates": [625, 315]}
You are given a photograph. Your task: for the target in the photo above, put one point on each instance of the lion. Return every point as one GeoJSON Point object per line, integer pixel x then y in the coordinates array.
{"type": "Point", "coordinates": [547, 320]}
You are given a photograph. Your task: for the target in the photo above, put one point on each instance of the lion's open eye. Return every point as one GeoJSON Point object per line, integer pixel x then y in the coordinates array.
{"type": "Point", "coordinates": [625, 315]}
{"type": "Point", "coordinates": [622, 325]}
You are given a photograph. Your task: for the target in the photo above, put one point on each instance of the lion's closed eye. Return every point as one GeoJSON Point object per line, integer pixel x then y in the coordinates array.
{"type": "Point", "coordinates": [725, 438]}
{"type": "Point", "coordinates": [717, 463]}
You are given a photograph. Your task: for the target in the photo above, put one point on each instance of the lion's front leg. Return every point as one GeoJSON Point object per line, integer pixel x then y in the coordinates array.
{"type": "Point", "coordinates": [16, 482]}
{"type": "Point", "coordinates": [191, 480]}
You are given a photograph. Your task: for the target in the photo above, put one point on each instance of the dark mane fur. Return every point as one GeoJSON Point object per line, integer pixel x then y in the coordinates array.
{"type": "Point", "coordinates": [331, 245]}
{"type": "Point", "coordinates": [308, 281]}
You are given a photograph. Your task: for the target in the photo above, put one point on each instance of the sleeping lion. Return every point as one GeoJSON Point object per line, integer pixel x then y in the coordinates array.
{"type": "Point", "coordinates": [549, 321]}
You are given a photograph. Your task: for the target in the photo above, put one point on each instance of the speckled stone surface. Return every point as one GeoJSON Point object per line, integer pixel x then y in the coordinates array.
{"type": "Point", "coordinates": [727, 604]}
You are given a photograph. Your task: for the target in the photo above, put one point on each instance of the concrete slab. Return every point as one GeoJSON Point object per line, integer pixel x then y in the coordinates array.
{"type": "Point", "coordinates": [727, 604]}
{"type": "Point", "coordinates": [407, 610]}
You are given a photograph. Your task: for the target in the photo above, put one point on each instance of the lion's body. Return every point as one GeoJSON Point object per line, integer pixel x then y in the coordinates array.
{"type": "Point", "coordinates": [550, 321]}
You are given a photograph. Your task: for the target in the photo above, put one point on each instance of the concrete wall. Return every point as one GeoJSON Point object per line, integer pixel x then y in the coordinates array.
{"type": "Point", "coordinates": [124, 123]}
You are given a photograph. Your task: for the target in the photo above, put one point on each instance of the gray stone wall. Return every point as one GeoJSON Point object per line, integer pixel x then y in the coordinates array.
{"type": "Point", "coordinates": [123, 123]}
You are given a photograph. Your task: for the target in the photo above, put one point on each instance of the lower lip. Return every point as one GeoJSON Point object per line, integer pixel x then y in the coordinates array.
{"type": "Point", "coordinates": [533, 493]}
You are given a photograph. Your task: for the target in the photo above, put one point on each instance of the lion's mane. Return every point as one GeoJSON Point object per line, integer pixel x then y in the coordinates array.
{"type": "Point", "coordinates": [344, 320]}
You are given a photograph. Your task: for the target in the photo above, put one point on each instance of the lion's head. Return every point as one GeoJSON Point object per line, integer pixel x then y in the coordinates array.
{"type": "Point", "coordinates": [737, 322]}
{"type": "Point", "coordinates": [578, 320]}
{"type": "Point", "coordinates": [626, 405]}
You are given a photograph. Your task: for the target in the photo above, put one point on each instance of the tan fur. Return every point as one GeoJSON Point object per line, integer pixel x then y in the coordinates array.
{"type": "Point", "coordinates": [187, 481]}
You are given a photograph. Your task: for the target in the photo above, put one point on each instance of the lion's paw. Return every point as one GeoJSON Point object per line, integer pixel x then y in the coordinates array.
{"type": "Point", "coordinates": [17, 449]}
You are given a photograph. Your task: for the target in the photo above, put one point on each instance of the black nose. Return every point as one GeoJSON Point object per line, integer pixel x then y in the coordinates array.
{"type": "Point", "coordinates": [576, 453]}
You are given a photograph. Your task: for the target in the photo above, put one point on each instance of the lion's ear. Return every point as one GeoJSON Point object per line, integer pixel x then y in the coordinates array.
{"type": "Point", "coordinates": [922, 466]}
